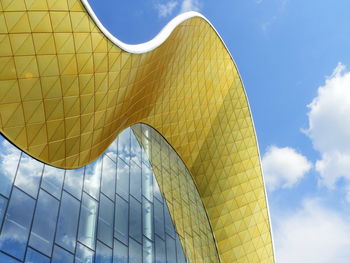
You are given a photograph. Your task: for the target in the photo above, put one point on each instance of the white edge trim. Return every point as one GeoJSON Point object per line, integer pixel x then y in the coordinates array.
{"type": "Point", "coordinates": [149, 45]}
{"type": "Point", "coordinates": [159, 39]}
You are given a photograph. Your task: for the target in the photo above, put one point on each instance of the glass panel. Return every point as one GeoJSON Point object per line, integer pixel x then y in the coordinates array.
{"type": "Point", "coordinates": [135, 252]}
{"type": "Point", "coordinates": [87, 223]}
{"type": "Point", "coordinates": [35, 257]}
{"type": "Point", "coordinates": [147, 216]}
{"type": "Point", "coordinates": [121, 224]}
{"type": "Point", "coordinates": [105, 221]}
{"type": "Point", "coordinates": [169, 227]}
{"type": "Point", "coordinates": [147, 251]}
{"type": "Point", "coordinates": [61, 256]}
{"type": "Point", "coordinates": [146, 145]}
{"type": "Point", "coordinates": [179, 252]}
{"type": "Point", "coordinates": [124, 145]}
{"type": "Point", "coordinates": [73, 182]}
{"type": "Point", "coordinates": [170, 250]}
{"type": "Point", "coordinates": [156, 191]}
{"type": "Point", "coordinates": [53, 180]}
{"type": "Point", "coordinates": [108, 177]}
{"type": "Point", "coordinates": [29, 174]}
{"type": "Point", "coordinates": [84, 255]}
{"type": "Point", "coordinates": [123, 179]}
{"type": "Point", "coordinates": [6, 259]}
{"type": "Point", "coordinates": [15, 231]}
{"type": "Point", "coordinates": [112, 150]}
{"type": "Point", "coordinates": [147, 182]}
{"type": "Point", "coordinates": [135, 181]}
{"type": "Point", "coordinates": [103, 253]}
{"type": "Point", "coordinates": [44, 224]}
{"type": "Point", "coordinates": [93, 178]}
{"type": "Point", "coordinates": [9, 158]}
{"type": "Point", "coordinates": [120, 252]}
{"type": "Point", "coordinates": [159, 218]}
{"type": "Point", "coordinates": [135, 229]}
{"type": "Point", "coordinates": [160, 250]}
{"type": "Point", "coordinates": [67, 225]}
{"type": "Point", "coordinates": [3, 203]}
{"type": "Point", "coordinates": [135, 149]}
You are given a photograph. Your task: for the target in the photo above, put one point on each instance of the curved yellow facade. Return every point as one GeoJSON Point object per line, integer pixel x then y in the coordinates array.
{"type": "Point", "coordinates": [66, 92]}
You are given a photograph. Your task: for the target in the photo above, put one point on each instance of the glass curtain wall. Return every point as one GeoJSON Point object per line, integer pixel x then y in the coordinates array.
{"type": "Point", "coordinates": [108, 211]}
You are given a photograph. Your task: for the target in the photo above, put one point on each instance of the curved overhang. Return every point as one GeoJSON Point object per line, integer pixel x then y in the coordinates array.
{"type": "Point", "coordinates": [68, 88]}
{"type": "Point", "coordinates": [155, 42]}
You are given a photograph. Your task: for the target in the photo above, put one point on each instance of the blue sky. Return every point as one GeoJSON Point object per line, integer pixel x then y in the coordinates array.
{"type": "Point", "coordinates": [290, 53]}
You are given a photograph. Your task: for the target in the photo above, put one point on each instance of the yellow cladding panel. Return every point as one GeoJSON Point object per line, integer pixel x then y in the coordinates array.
{"type": "Point", "coordinates": [66, 92]}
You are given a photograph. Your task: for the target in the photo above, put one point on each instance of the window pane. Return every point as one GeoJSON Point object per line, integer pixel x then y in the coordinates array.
{"type": "Point", "coordinates": [121, 224]}
{"type": "Point", "coordinates": [105, 221]}
{"type": "Point", "coordinates": [160, 250]}
{"type": "Point", "coordinates": [170, 250]}
{"type": "Point", "coordinates": [68, 222]}
{"type": "Point", "coordinates": [35, 257]}
{"type": "Point", "coordinates": [135, 229]}
{"type": "Point", "coordinates": [84, 255]}
{"type": "Point", "coordinates": [112, 150]}
{"type": "Point", "coordinates": [135, 181]}
{"type": "Point", "coordinates": [124, 145]}
{"type": "Point", "coordinates": [73, 182]}
{"type": "Point", "coordinates": [61, 256]}
{"type": "Point", "coordinates": [53, 180]}
{"type": "Point", "coordinates": [135, 149]}
{"type": "Point", "coordinates": [147, 215]}
{"type": "Point", "coordinates": [147, 251]}
{"type": "Point", "coordinates": [123, 179]}
{"type": "Point", "coordinates": [156, 191]}
{"type": "Point", "coordinates": [179, 252]}
{"type": "Point", "coordinates": [3, 203]}
{"type": "Point", "coordinates": [9, 158]}
{"type": "Point", "coordinates": [120, 252]}
{"type": "Point", "coordinates": [44, 224]}
{"type": "Point", "coordinates": [109, 171]}
{"type": "Point", "coordinates": [93, 178]}
{"type": "Point", "coordinates": [159, 218]}
{"type": "Point", "coordinates": [169, 226]}
{"type": "Point", "coordinates": [6, 259]}
{"type": "Point", "coordinates": [103, 253]}
{"type": "Point", "coordinates": [29, 174]}
{"type": "Point", "coordinates": [147, 182]}
{"type": "Point", "coordinates": [135, 252]}
{"type": "Point", "coordinates": [87, 223]}
{"type": "Point", "coordinates": [146, 144]}
{"type": "Point", "coordinates": [15, 231]}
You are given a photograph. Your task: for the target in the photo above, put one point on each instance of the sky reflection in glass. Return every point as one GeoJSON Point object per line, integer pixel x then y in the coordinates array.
{"type": "Point", "coordinates": [82, 215]}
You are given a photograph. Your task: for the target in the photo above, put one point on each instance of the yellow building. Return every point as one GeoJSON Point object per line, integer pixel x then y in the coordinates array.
{"type": "Point", "coordinates": [68, 88]}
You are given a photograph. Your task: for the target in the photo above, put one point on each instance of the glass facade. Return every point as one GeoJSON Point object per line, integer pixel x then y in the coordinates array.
{"type": "Point", "coordinates": [108, 211]}
{"type": "Point", "coordinates": [185, 205]}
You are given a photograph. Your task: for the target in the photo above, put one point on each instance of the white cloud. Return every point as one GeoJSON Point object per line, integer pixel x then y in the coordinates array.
{"type": "Point", "coordinates": [29, 174]}
{"type": "Point", "coordinates": [347, 194]}
{"type": "Point", "coordinates": [280, 9]}
{"type": "Point", "coordinates": [9, 158]}
{"type": "Point", "coordinates": [266, 25]}
{"type": "Point", "coordinates": [314, 234]}
{"type": "Point", "coordinates": [93, 177]}
{"type": "Point", "coordinates": [329, 127]}
{"type": "Point", "coordinates": [283, 167]}
{"type": "Point", "coordinates": [166, 9]}
{"type": "Point", "coordinates": [190, 5]}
